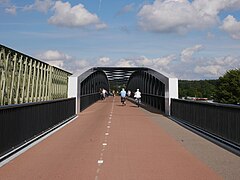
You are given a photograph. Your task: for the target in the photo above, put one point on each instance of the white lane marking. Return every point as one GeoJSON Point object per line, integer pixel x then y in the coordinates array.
{"type": "Point", "coordinates": [100, 161]}
{"type": "Point", "coordinates": [98, 170]}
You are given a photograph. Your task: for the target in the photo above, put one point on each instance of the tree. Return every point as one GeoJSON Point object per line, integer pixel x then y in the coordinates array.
{"type": "Point", "coordinates": [228, 88]}
{"type": "Point", "coordinates": [200, 88]}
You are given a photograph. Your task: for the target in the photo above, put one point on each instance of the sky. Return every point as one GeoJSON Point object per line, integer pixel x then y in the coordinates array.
{"type": "Point", "coordinates": [187, 39]}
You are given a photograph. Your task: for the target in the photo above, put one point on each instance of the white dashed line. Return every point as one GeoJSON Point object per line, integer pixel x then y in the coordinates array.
{"type": "Point", "coordinates": [100, 161]}
{"type": "Point", "coordinates": [104, 144]}
{"type": "Point", "coordinates": [98, 170]}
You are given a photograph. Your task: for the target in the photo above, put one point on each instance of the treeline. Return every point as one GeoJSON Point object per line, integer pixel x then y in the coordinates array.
{"type": "Point", "coordinates": [199, 89]}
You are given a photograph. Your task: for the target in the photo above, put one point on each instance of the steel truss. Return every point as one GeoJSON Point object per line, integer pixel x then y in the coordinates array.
{"type": "Point", "coordinates": [24, 79]}
{"type": "Point", "coordinates": [151, 87]}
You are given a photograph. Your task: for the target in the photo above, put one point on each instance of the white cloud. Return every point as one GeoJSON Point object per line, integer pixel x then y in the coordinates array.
{"type": "Point", "coordinates": [54, 58]}
{"type": "Point", "coordinates": [217, 66]}
{"type": "Point", "coordinates": [144, 61]}
{"type": "Point", "coordinates": [76, 65]}
{"type": "Point", "coordinates": [231, 26]}
{"type": "Point", "coordinates": [125, 63]}
{"type": "Point", "coordinates": [207, 68]}
{"type": "Point", "coordinates": [213, 7]}
{"type": "Point", "coordinates": [76, 16]}
{"type": "Point", "coordinates": [104, 61]}
{"type": "Point", "coordinates": [40, 5]}
{"type": "Point", "coordinates": [163, 62]}
{"type": "Point", "coordinates": [182, 16]}
{"type": "Point", "coordinates": [209, 71]}
{"type": "Point", "coordinates": [58, 64]}
{"type": "Point", "coordinates": [186, 54]}
{"type": "Point", "coordinates": [52, 55]}
{"type": "Point", "coordinates": [160, 63]}
{"type": "Point", "coordinates": [11, 10]}
{"type": "Point", "coordinates": [80, 64]}
{"type": "Point", "coordinates": [62, 60]}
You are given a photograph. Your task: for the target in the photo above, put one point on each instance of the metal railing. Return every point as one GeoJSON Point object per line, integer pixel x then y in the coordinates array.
{"type": "Point", "coordinates": [24, 79]}
{"type": "Point", "coordinates": [22, 122]}
{"type": "Point", "coordinates": [218, 119]}
{"type": "Point", "coordinates": [154, 101]}
{"type": "Point", "coordinates": [88, 99]}
{"type": "Point", "coordinates": [150, 102]}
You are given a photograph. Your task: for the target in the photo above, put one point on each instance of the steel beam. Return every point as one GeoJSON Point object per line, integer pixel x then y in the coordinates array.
{"type": "Point", "coordinates": [24, 79]}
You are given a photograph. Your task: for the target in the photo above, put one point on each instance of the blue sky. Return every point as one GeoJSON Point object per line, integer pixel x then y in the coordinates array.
{"type": "Point", "coordinates": [198, 39]}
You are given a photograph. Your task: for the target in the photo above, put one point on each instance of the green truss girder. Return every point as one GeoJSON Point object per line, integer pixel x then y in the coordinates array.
{"type": "Point", "coordinates": [24, 79]}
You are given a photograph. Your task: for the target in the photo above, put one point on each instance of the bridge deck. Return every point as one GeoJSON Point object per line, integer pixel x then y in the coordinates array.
{"type": "Point", "coordinates": [109, 141]}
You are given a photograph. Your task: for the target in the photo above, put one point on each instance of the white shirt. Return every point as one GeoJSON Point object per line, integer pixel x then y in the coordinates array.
{"type": "Point", "coordinates": [137, 94]}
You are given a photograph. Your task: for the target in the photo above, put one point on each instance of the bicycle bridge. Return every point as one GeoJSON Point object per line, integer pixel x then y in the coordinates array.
{"type": "Point", "coordinates": [53, 126]}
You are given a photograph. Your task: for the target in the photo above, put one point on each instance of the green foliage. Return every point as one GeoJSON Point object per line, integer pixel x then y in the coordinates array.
{"type": "Point", "coordinates": [201, 88]}
{"type": "Point", "coordinates": [228, 88]}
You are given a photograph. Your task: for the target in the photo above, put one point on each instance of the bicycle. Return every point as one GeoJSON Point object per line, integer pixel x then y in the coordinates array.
{"type": "Point", "coordinates": [123, 99]}
{"type": "Point", "coordinates": [138, 101]}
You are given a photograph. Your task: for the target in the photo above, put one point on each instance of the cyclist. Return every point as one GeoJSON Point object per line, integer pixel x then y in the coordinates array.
{"type": "Point", "coordinates": [123, 96]}
{"type": "Point", "coordinates": [137, 95]}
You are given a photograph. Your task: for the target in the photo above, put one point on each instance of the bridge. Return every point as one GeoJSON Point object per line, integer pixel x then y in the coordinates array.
{"type": "Point", "coordinates": [53, 125]}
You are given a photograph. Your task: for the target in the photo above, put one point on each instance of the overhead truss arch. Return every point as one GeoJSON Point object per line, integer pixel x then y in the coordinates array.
{"type": "Point", "coordinates": [157, 89]}
{"type": "Point", "coordinates": [86, 87]}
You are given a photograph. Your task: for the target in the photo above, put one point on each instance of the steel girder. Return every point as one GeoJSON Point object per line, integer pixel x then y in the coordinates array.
{"type": "Point", "coordinates": [118, 76]}
{"type": "Point", "coordinates": [157, 89]}
{"type": "Point", "coordinates": [152, 89]}
{"type": "Point", "coordinates": [86, 87]}
{"type": "Point", "coordinates": [24, 79]}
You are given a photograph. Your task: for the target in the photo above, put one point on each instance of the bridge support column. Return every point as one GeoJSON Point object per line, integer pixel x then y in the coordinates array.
{"type": "Point", "coordinates": [171, 91]}
{"type": "Point", "coordinates": [73, 91]}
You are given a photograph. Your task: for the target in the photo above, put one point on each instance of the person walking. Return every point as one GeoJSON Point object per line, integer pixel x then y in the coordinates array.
{"type": "Point", "coordinates": [137, 95]}
{"type": "Point", "coordinates": [129, 93]}
{"type": "Point", "coordinates": [123, 96]}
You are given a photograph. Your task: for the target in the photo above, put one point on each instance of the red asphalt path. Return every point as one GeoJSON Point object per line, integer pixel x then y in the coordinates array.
{"type": "Point", "coordinates": [108, 142]}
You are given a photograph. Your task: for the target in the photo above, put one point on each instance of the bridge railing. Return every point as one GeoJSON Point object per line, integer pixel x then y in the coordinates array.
{"type": "Point", "coordinates": [88, 99]}
{"type": "Point", "coordinates": [218, 119]}
{"type": "Point", "coordinates": [24, 79]}
{"type": "Point", "coordinates": [21, 123]}
{"type": "Point", "coordinates": [154, 101]}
